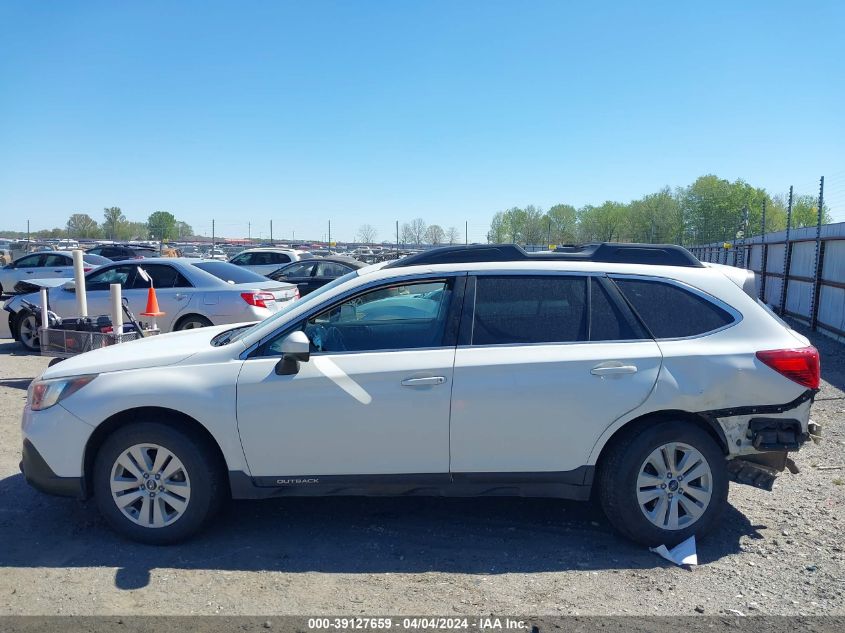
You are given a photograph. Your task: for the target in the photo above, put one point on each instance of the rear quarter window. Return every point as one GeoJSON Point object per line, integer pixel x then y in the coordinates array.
{"type": "Point", "coordinates": [670, 311]}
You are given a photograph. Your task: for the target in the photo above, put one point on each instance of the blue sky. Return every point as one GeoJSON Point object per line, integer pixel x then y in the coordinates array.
{"type": "Point", "coordinates": [376, 111]}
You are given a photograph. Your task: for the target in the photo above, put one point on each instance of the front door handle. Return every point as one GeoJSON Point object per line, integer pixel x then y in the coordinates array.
{"type": "Point", "coordinates": [423, 382]}
{"type": "Point", "coordinates": [180, 296]}
{"type": "Point", "coordinates": [613, 370]}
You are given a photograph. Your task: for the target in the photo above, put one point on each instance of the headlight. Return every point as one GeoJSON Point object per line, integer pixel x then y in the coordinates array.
{"type": "Point", "coordinates": [43, 394]}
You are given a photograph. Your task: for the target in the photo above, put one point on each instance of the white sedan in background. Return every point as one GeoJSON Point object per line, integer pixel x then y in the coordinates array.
{"type": "Point", "coordinates": [266, 260]}
{"type": "Point", "coordinates": [44, 265]}
{"type": "Point", "coordinates": [192, 293]}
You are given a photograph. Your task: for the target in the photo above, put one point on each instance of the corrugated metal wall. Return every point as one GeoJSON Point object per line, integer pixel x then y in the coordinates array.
{"type": "Point", "coordinates": [801, 276]}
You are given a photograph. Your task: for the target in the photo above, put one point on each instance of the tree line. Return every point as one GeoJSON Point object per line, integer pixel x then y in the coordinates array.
{"type": "Point", "coordinates": [160, 225]}
{"type": "Point", "coordinates": [711, 209]}
{"type": "Point", "coordinates": [417, 231]}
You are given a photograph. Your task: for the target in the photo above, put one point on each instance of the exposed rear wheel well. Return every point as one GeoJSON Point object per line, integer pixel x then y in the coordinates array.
{"type": "Point", "coordinates": [176, 419]}
{"type": "Point", "coordinates": [631, 428]}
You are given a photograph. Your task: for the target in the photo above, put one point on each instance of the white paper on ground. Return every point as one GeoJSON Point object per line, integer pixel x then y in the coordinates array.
{"type": "Point", "coordinates": [682, 554]}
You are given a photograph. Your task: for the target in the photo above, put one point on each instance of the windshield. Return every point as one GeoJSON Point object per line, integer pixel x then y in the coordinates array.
{"type": "Point", "coordinates": [238, 333]}
{"type": "Point", "coordinates": [230, 273]}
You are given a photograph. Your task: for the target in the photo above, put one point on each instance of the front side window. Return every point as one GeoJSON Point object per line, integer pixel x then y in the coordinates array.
{"type": "Point", "coordinates": [56, 260]}
{"type": "Point", "coordinates": [671, 311]}
{"type": "Point", "coordinates": [522, 309]}
{"type": "Point", "coordinates": [331, 269]}
{"type": "Point", "coordinates": [404, 316]}
{"type": "Point", "coordinates": [31, 261]}
{"type": "Point", "coordinates": [298, 270]}
{"type": "Point", "coordinates": [102, 279]}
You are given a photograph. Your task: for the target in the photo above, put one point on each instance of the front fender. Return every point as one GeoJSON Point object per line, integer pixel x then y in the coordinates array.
{"type": "Point", "coordinates": [205, 393]}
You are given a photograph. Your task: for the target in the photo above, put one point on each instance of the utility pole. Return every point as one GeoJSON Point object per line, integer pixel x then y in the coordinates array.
{"type": "Point", "coordinates": [330, 234]}
{"type": "Point", "coordinates": [249, 231]}
{"type": "Point", "coordinates": [549, 241]}
{"type": "Point", "coordinates": [271, 231]}
{"type": "Point", "coordinates": [397, 237]}
{"type": "Point", "coordinates": [213, 242]}
{"type": "Point", "coordinates": [466, 232]}
{"type": "Point", "coordinates": [27, 235]}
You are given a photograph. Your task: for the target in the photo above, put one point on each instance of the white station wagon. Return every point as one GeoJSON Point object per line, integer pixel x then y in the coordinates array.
{"type": "Point", "coordinates": [633, 371]}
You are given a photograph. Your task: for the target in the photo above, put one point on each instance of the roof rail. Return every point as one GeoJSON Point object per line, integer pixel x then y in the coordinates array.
{"type": "Point", "coordinates": [610, 252]}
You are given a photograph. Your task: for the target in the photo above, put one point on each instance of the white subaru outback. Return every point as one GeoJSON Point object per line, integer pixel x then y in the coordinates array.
{"type": "Point", "coordinates": [632, 371]}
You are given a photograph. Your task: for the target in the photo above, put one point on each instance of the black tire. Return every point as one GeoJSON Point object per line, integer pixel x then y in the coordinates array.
{"type": "Point", "coordinates": [21, 337]}
{"type": "Point", "coordinates": [207, 481]}
{"type": "Point", "coordinates": [193, 321]}
{"type": "Point", "coordinates": [620, 467]}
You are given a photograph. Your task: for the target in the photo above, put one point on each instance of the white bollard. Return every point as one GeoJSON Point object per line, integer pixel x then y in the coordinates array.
{"type": "Point", "coordinates": [45, 322]}
{"type": "Point", "coordinates": [116, 309]}
{"type": "Point", "coordinates": [79, 278]}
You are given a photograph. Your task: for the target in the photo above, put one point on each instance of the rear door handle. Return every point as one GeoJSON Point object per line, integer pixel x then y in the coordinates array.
{"type": "Point", "coordinates": [422, 382]}
{"type": "Point", "coordinates": [179, 296]}
{"type": "Point", "coordinates": [613, 370]}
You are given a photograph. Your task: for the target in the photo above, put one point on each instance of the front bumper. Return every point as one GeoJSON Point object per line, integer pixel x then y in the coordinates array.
{"type": "Point", "coordinates": [41, 477]}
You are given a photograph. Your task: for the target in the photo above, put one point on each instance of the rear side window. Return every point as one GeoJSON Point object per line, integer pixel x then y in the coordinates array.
{"type": "Point", "coordinates": [611, 320]}
{"type": "Point", "coordinates": [230, 273]}
{"type": "Point", "coordinates": [524, 309]}
{"type": "Point", "coordinates": [670, 311]}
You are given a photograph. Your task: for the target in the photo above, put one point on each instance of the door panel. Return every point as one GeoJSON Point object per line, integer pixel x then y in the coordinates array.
{"type": "Point", "coordinates": [347, 414]}
{"type": "Point", "coordinates": [530, 408]}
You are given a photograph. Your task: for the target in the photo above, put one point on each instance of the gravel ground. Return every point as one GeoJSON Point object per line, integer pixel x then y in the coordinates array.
{"type": "Point", "coordinates": [775, 553]}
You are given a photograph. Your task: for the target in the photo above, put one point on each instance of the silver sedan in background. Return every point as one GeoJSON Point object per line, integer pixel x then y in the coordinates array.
{"type": "Point", "coordinates": [191, 292]}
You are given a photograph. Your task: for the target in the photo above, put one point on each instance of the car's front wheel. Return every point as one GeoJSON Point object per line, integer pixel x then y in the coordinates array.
{"type": "Point", "coordinates": [157, 484]}
{"type": "Point", "coordinates": [26, 326]}
{"type": "Point", "coordinates": [663, 483]}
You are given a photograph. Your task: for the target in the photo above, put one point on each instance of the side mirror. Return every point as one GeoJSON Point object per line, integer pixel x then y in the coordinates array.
{"type": "Point", "coordinates": [69, 286]}
{"type": "Point", "coordinates": [295, 348]}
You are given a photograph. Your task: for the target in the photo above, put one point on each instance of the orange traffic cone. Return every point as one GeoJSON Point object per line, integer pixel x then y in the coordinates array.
{"type": "Point", "coordinates": [152, 305]}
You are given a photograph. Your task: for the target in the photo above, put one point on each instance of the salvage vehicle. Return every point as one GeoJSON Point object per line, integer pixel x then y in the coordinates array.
{"type": "Point", "coordinates": [633, 373]}
{"type": "Point", "coordinates": [192, 293]}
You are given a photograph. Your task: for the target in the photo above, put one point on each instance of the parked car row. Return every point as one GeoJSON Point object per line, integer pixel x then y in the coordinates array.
{"type": "Point", "coordinates": [191, 292]}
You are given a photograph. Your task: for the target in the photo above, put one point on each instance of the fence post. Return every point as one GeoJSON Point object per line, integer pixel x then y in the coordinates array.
{"type": "Point", "coordinates": [787, 255]}
{"type": "Point", "coordinates": [764, 254]}
{"type": "Point", "coordinates": [817, 273]}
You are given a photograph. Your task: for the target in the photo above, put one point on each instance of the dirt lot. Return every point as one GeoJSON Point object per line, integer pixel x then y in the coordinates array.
{"type": "Point", "coordinates": [776, 553]}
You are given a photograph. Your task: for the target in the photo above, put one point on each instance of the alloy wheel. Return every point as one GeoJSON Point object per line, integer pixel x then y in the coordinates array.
{"type": "Point", "coordinates": [674, 486]}
{"type": "Point", "coordinates": [150, 485]}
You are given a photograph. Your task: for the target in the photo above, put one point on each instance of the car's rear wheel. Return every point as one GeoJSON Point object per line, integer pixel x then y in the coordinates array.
{"type": "Point", "coordinates": [663, 483]}
{"type": "Point", "coordinates": [192, 322]}
{"type": "Point", "coordinates": [157, 484]}
{"type": "Point", "coordinates": [27, 331]}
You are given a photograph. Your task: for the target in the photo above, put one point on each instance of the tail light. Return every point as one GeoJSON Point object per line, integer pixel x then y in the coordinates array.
{"type": "Point", "coordinates": [801, 365]}
{"type": "Point", "coordinates": [85, 270]}
{"type": "Point", "coordinates": [257, 299]}
{"type": "Point", "coordinates": [296, 294]}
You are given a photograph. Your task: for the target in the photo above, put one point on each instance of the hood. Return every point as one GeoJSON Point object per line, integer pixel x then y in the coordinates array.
{"type": "Point", "coordinates": [154, 351]}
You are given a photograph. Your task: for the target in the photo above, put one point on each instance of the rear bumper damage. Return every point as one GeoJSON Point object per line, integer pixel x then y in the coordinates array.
{"type": "Point", "coordinates": [759, 438]}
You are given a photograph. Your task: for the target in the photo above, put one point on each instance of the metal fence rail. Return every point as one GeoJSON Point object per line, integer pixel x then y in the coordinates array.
{"type": "Point", "coordinates": [800, 272]}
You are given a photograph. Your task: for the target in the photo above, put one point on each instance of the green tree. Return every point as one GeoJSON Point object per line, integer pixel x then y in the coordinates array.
{"type": "Point", "coordinates": [655, 218]}
{"type": "Point", "coordinates": [605, 223]}
{"type": "Point", "coordinates": [805, 212]}
{"type": "Point", "coordinates": [162, 226]}
{"type": "Point", "coordinates": [82, 225]}
{"type": "Point", "coordinates": [113, 219]}
{"type": "Point", "coordinates": [134, 231]}
{"type": "Point", "coordinates": [183, 229]}
{"type": "Point", "coordinates": [562, 221]}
